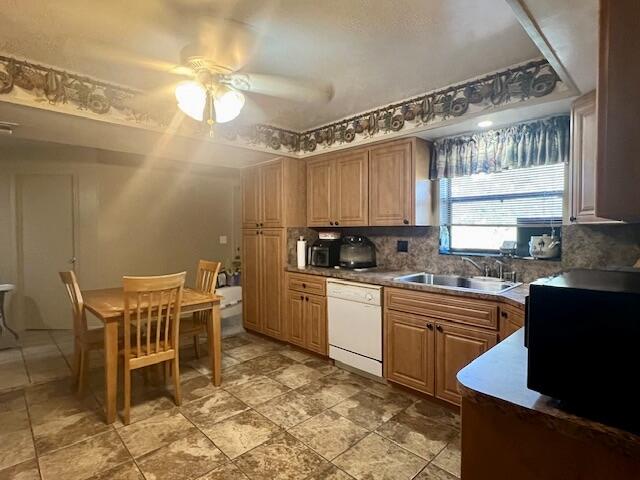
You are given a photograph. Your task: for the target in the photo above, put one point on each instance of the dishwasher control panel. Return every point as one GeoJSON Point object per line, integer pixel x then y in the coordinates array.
{"type": "Point", "coordinates": [355, 292]}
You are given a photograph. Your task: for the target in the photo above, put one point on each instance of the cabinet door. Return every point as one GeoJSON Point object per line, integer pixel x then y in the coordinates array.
{"type": "Point", "coordinates": [250, 197]}
{"type": "Point", "coordinates": [251, 279]}
{"type": "Point", "coordinates": [319, 192]}
{"type": "Point", "coordinates": [295, 318]}
{"type": "Point", "coordinates": [391, 189]}
{"type": "Point", "coordinates": [272, 248]}
{"type": "Point", "coordinates": [316, 323]}
{"type": "Point", "coordinates": [511, 320]}
{"type": "Point", "coordinates": [456, 347]}
{"type": "Point", "coordinates": [351, 180]}
{"type": "Point", "coordinates": [271, 198]}
{"type": "Point", "coordinates": [584, 124]}
{"type": "Point", "coordinates": [410, 350]}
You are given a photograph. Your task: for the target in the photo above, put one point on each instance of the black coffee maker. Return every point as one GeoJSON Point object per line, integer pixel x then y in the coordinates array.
{"type": "Point", "coordinates": [324, 252]}
{"type": "Point", "coordinates": [357, 252]}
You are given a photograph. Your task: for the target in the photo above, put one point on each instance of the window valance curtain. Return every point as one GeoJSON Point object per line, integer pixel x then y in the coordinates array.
{"type": "Point", "coordinates": [539, 142]}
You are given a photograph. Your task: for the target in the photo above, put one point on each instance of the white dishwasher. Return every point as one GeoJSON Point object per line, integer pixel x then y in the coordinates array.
{"type": "Point", "coordinates": [355, 325]}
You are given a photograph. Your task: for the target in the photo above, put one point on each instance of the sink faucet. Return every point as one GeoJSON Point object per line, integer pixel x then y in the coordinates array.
{"type": "Point", "coordinates": [483, 270]}
{"type": "Point", "coordinates": [501, 266]}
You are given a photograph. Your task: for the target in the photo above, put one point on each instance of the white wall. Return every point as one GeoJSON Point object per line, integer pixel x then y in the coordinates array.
{"type": "Point", "coordinates": [130, 219]}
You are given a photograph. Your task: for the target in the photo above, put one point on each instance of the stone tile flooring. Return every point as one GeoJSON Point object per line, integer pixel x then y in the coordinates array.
{"type": "Point", "coordinates": [279, 414]}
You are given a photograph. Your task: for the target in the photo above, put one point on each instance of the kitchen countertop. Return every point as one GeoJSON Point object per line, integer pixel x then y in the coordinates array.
{"type": "Point", "coordinates": [516, 296]}
{"type": "Point", "coordinates": [499, 377]}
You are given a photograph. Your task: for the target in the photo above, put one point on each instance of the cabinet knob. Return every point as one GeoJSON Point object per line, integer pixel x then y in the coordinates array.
{"type": "Point", "coordinates": [439, 328]}
{"type": "Point", "coordinates": [336, 223]}
{"type": "Point", "coordinates": [405, 221]}
{"type": "Point", "coordinates": [257, 224]}
{"type": "Point", "coordinates": [301, 297]}
{"type": "Point", "coordinates": [330, 223]}
{"type": "Point", "coordinates": [306, 299]}
{"type": "Point", "coordinates": [503, 314]}
{"type": "Point", "coordinates": [572, 218]}
{"type": "Point", "coordinates": [304, 285]}
{"type": "Point", "coordinates": [430, 326]}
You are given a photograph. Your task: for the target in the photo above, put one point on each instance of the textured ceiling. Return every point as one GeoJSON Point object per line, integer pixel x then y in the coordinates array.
{"type": "Point", "coordinates": [372, 51]}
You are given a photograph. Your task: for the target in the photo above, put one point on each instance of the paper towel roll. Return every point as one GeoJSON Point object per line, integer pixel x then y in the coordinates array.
{"type": "Point", "coordinates": [302, 252]}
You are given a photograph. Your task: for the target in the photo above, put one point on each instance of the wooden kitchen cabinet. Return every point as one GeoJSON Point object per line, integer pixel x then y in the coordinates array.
{"type": "Point", "coordinates": [337, 193]}
{"type": "Point", "coordinates": [511, 320]}
{"type": "Point", "coordinates": [400, 192]}
{"type": "Point", "coordinates": [273, 194]}
{"type": "Point", "coordinates": [618, 103]}
{"type": "Point", "coordinates": [385, 184]}
{"type": "Point", "coordinates": [307, 312]}
{"type": "Point", "coordinates": [584, 136]}
{"type": "Point", "coordinates": [264, 257]}
{"type": "Point", "coordinates": [429, 337]}
{"type": "Point", "coordinates": [410, 351]}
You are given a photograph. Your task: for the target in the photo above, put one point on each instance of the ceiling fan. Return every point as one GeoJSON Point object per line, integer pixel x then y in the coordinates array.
{"type": "Point", "coordinates": [214, 90]}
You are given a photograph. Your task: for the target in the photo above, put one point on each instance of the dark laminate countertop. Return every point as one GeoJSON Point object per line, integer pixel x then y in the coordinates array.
{"type": "Point", "coordinates": [499, 377]}
{"type": "Point", "coordinates": [515, 296]}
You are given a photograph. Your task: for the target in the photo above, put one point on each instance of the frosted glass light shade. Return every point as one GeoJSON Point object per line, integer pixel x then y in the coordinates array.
{"type": "Point", "coordinates": [192, 98]}
{"type": "Point", "coordinates": [227, 103]}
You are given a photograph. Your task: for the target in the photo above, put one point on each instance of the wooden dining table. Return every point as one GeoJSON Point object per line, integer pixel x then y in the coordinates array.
{"type": "Point", "coordinates": [108, 305]}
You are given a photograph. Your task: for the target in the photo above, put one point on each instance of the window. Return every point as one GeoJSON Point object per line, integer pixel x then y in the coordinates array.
{"type": "Point", "coordinates": [479, 212]}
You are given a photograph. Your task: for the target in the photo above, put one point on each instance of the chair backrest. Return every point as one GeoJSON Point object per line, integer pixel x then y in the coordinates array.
{"type": "Point", "coordinates": [207, 276]}
{"type": "Point", "coordinates": [77, 304]}
{"type": "Point", "coordinates": [152, 309]}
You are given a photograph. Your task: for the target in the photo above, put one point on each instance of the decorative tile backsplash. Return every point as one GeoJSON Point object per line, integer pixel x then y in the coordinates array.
{"type": "Point", "coordinates": [590, 246]}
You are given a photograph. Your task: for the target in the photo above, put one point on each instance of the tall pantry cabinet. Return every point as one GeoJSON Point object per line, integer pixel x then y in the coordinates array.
{"type": "Point", "coordinates": [273, 198]}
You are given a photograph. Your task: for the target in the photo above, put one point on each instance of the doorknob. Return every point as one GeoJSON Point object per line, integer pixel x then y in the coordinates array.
{"type": "Point", "coordinates": [72, 260]}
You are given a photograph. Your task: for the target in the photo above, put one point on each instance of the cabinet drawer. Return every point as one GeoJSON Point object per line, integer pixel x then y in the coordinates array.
{"type": "Point", "coordinates": [306, 283]}
{"type": "Point", "coordinates": [480, 313]}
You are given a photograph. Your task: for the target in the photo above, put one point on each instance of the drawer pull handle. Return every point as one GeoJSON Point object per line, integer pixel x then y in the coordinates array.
{"type": "Point", "coordinates": [503, 314]}
{"type": "Point", "coordinates": [304, 285]}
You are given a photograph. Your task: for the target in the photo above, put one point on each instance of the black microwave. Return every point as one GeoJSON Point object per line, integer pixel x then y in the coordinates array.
{"type": "Point", "coordinates": [583, 340]}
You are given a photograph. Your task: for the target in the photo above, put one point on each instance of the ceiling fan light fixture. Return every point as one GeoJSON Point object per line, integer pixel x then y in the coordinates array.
{"type": "Point", "coordinates": [192, 99]}
{"type": "Point", "coordinates": [227, 103]}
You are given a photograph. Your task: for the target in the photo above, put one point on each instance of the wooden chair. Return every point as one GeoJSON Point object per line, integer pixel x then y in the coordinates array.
{"type": "Point", "coordinates": [85, 340]}
{"type": "Point", "coordinates": [206, 280]}
{"type": "Point", "coordinates": [152, 311]}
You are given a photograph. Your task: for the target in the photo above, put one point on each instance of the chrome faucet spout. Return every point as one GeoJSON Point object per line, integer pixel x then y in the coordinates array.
{"type": "Point", "coordinates": [468, 260]}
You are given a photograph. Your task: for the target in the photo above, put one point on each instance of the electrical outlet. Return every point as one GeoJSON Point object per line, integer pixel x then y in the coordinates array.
{"type": "Point", "coordinates": [403, 246]}
{"type": "Point", "coordinates": [223, 239]}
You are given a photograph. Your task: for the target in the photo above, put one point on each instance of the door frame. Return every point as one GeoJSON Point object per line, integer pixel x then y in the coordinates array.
{"type": "Point", "coordinates": [16, 221]}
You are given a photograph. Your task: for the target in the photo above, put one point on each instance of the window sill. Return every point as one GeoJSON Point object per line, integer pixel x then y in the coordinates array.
{"type": "Point", "coordinates": [471, 253]}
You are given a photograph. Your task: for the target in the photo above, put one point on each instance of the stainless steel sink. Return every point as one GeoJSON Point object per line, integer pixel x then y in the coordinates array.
{"type": "Point", "coordinates": [482, 284]}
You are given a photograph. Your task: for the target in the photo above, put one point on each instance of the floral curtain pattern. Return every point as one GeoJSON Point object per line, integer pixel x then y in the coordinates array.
{"type": "Point", "coordinates": [540, 142]}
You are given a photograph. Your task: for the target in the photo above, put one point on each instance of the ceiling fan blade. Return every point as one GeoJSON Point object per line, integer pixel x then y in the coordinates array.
{"type": "Point", "coordinates": [296, 89]}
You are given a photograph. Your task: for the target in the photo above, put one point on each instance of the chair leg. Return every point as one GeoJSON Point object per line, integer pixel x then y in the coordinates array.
{"type": "Point", "coordinates": [126, 417]}
{"type": "Point", "coordinates": [76, 363]}
{"type": "Point", "coordinates": [176, 381]}
{"type": "Point", "coordinates": [82, 371]}
{"type": "Point", "coordinates": [167, 371]}
{"type": "Point", "coordinates": [196, 345]}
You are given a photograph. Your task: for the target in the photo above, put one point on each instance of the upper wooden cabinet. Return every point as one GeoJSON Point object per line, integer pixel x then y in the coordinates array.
{"type": "Point", "coordinates": [338, 189]}
{"type": "Point", "coordinates": [584, 135]}
{"type": "Point", "coordinates": [618, 100]}
{"type": "Point", "coordinates": [386, 184]}
{"type": "Point", "coordinates": [400, 192]}
{"type": "Point", "coordinates": [273, 194]}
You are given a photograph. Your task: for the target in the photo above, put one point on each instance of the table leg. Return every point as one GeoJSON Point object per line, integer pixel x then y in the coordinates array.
{"type": "Point", "coordinates": [111, 369]}
{"type": "Point", "coordinates": [214, 335]}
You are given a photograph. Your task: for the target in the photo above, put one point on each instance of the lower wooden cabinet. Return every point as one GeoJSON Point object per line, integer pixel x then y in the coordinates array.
{"type": "Point", "coordinates": [295, 318]}
{"type": "Point", "coordinates": [263, 253]}
{"type": "Point", "coordinates": [307, 321]}
{"type": "Point", "coordinates": [456, 347]}
{"type": "Point", "coordinates": [410, 342]}
{"type": "Point", "coordinates": [427, 343]}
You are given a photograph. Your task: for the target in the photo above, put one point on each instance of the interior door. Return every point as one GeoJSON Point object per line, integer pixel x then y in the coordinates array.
{"type": "Point", "coordinates": [45, 210]}
{"type": "Point", "coordinates": [410, 350]}
{"type": "Point", "coordinates": [456, 347]}
{"type": "Point", "coordinates": [351, 199]}
{"type": "Point", "coordinates": [391, 187]}
{"type": "Point", "coordinates": [271, 195]}
{"type": "Point", "coordinates": [251, 279]}
{"type": "Point", "coordinates": [316, 323]}
{"type": "Point", "coordinates": [272, 246]}
{"type": "Point", "coordinates": [250, 197]}
{"type": "Point", "coordinates": [319, 192]}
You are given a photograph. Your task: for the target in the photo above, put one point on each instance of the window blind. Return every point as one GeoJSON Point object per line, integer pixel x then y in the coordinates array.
{"type": "Point", "coordinates": [504, 197]}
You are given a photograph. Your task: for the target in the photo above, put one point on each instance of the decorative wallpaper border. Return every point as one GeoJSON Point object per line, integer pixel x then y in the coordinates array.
{"type": "Point", "coordinates": [42, 84]}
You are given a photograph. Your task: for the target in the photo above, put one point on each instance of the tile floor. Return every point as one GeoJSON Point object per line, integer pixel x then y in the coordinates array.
{"type": "Point", "coordinates": [279, 414]}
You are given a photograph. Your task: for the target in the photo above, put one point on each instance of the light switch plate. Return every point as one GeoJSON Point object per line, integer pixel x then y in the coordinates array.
{"type": "Point", "coordinates": [223, 239]}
